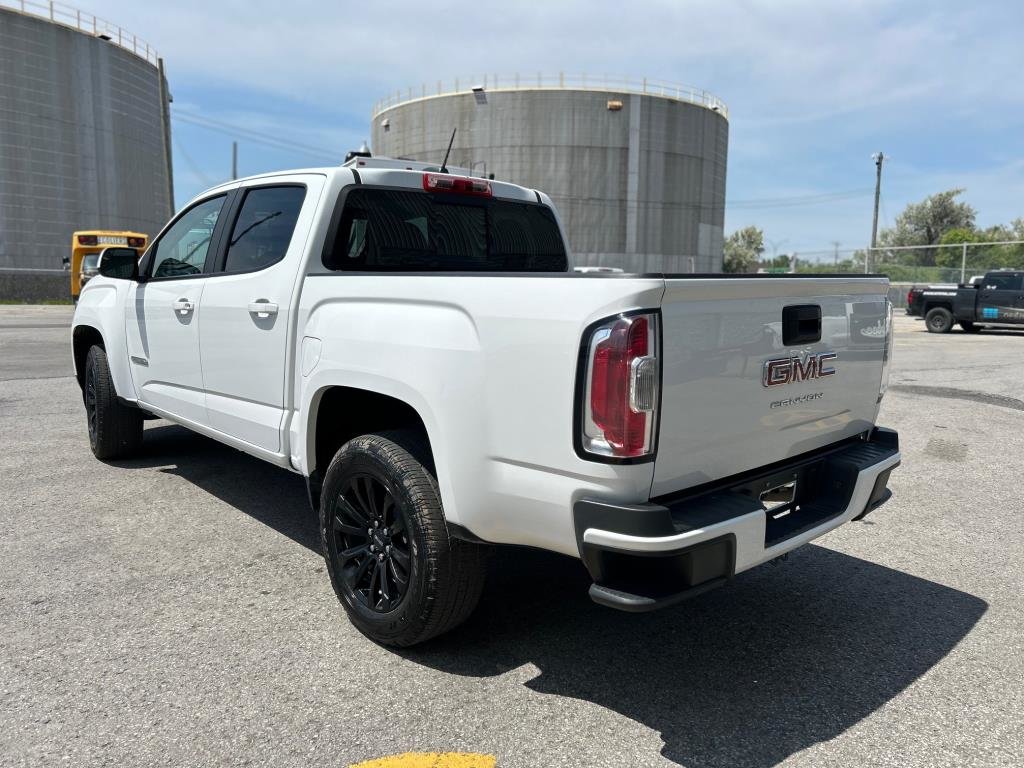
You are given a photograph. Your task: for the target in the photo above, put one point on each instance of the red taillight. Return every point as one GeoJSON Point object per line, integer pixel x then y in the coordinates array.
{"type": "Point", "coordinates": [136, 242]}
{"type": "Point", "coordinates": [458, 185]}
{"type": "Point", "coordinates": [622, 388]}
{"type": "Point", "coordinates": [88, 240]}
{"type": "Point", "coordinates": [910, 297]}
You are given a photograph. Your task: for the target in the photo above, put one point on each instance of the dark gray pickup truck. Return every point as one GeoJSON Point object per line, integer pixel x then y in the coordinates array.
{"type": "Point", "coordinates": [996, 300]}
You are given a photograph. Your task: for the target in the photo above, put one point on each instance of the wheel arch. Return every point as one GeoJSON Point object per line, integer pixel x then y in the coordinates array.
{"type": "Point", "coordinates": [339, 413]}
{"type": "Point", "coordinates": [83, 338]}
{"type": "Point", "coordinates": [929, 306]}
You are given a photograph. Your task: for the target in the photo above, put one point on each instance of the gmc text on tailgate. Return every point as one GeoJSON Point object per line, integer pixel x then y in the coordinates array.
{"type": "Point", "coordinates": [418, 346]}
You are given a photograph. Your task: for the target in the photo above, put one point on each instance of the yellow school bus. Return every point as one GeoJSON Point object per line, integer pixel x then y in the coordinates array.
{"type": "Point", "coordinates": [85, 250]}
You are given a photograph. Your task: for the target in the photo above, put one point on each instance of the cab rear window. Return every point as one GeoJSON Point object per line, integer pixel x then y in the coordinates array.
{"type": "Point", "coordinates": [386, 230]}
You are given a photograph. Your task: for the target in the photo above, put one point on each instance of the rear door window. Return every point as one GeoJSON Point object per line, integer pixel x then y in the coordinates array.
{"type": "Point", "coordinates": [385, 230]}
{"type": "Point", "coordinates": [264, 228]}
{"type": "Point", "coordinates": [1007, 282]}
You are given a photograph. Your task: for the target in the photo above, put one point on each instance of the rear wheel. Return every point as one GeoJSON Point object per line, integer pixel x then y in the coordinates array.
{"type": "Point", "coordinates": [970, 327]}
{"type": "Point", "coordinates": [400, 577]}
{"type": "Point", "coordinates": [939, 320]}
{"type": "Point", "coordinates": [115, 430]}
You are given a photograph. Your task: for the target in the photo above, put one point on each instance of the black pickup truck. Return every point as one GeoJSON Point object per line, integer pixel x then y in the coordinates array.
{"type": "Point", "coordinates": [997, 300]}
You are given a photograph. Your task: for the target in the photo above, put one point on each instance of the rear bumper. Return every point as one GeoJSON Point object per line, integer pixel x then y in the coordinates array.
{"type": "Point", "coordinates": [647, 556]}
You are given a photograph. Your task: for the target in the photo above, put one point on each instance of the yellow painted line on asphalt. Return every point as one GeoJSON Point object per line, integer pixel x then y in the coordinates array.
{"type": "Point", "coordinates": [431, 760]}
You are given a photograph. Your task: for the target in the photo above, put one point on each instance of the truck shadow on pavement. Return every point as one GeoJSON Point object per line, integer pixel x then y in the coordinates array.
{"type": "Point", "coordinates": [268, 494]}
{"type": "Point", "coordinates": [784, 658]}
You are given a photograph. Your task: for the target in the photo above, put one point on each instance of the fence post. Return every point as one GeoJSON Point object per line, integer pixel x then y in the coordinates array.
{"type": "Point", "coordinates": [963, 264]}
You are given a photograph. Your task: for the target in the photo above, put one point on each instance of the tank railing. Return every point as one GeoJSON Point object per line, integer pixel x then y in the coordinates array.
{"type": "Point", "coordinates": [540, 81]}
{"type": "Point", "coordinates": [67, 16]}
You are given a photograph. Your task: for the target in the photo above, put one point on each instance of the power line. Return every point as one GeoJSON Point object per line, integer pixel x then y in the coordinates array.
{"type": "Point", "coordinates": [194, 116]}
{"type": "Point", "coordinates": [252, 135]}
{"type": "Point", "coordinates": [191, 163]}
{"type": "Point", "coordinates": [751, 204]}
{"type": "Point", "coordinates": [745, 204]}
{"type": "Point", "coordinates": [797, 201]}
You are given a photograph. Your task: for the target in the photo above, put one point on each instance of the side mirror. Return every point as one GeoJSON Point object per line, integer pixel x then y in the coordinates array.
{"type": "Point", "coordinates": [119, 263]}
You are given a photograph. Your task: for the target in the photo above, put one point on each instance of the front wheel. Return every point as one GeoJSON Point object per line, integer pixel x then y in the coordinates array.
{"type": "Point", "coordinates": [939, 320]}
{"type": "Point", "coordinates": [400, 577]}
{"type": "Point", "coordinates": [115, 430]}
{"type": "Point", "coordinates": [970, 327]}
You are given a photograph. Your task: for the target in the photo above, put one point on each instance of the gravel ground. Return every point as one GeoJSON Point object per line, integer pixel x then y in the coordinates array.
{"type": "Point", "coordinates": [174, 610]}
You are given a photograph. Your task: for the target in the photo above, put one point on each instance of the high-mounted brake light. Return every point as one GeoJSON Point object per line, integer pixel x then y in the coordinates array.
{"type": "Point", "coordinates": [458, 185]}
{"type": "Point", "coordinates": [88, 240]}
{"type": "Point", "coordinates": [621, 388]}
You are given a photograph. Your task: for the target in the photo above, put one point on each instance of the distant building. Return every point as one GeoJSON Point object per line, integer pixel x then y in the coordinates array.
{"type": "Point", "coordinates": [637, 169]}
{"type": "Point", "coordinates": [84, 133]}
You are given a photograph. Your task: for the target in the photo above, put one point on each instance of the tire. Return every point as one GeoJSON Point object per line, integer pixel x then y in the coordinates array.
{"type": "Point", "coordinates": [115, 430]}
{"type": "Point", "coordinates": [970, 327]}
{"type": "Point", "coordinates": [939, 320]}
{"type": "Point", "coordinates": [381, 521]}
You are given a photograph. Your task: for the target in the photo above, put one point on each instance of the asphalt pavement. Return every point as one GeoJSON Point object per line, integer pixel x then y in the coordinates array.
{"type": "Point", "coordinates": [174, 610]}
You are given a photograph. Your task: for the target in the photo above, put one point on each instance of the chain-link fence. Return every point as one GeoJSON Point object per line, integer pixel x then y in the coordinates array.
{"type": "Point", "coordinates": [947, 263]}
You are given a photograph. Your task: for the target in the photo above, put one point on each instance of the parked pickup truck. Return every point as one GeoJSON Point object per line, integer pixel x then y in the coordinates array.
{"type": "Point", "coordinates": [418, 345]}
{"type": "Point", "coordinates": [922, 298]}
{"type": "Point", "coordinates": [997, 299]}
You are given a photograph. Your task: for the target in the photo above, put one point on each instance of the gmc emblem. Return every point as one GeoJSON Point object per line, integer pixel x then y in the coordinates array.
{"type": "Point", "coordinates": [789, 370]}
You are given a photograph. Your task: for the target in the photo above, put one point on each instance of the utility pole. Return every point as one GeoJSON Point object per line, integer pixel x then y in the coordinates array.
{"type": "Point", "coordinates": [835, 255]}
{"type": "Point", "coordinates": [879, 159]}
{"type": "Point", "coordinates": [234, 161]}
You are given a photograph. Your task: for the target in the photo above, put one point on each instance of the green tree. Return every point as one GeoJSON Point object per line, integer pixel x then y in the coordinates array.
{"type": "Point", "coordinates": [743, 249]}
{"type": "Point", "coordinates": [1002, 256]}
{"type": "Point", "coordinates": [925, 223]}
{"type": "Point", "coordinates": [781, 262]}
{"type": "Point", "coordinates": [951, 257]}
{"type": "Point", "coordinates": [984, 257]}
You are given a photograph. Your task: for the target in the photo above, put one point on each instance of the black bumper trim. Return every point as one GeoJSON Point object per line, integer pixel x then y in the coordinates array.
{"type": "Point", "coordinates": [627, 601]}
{"type": "Point", "coordinates": [634, 580]}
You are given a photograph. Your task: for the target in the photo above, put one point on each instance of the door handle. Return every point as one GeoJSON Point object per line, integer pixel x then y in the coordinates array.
{"type": "Point", "coordinates": [182, 306]}
{"type": "Point", "coordinates": [262, 308]}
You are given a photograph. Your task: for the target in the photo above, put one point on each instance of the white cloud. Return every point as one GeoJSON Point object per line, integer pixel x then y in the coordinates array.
{"type": "Point", "coordinates": [813, 86]}
{"type": "Point", "coordinates": [763, 57]}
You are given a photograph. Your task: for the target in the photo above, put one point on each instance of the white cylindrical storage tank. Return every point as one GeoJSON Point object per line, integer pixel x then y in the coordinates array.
{"type": "Point", "coordinates": [637, 169]}
{"type": "Point", "coordinates": [84, 134]}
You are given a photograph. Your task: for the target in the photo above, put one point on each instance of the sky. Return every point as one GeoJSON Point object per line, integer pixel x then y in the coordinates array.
{"type": "Point", "coordinates": [813, 89]}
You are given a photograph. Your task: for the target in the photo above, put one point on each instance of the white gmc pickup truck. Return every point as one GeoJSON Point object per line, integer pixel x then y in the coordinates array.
{"type": "Point", "coordinates": [418, 345]}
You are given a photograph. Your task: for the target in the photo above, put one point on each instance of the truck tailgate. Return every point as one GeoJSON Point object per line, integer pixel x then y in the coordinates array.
{"type": "Point", "coordinates": [719, 417]}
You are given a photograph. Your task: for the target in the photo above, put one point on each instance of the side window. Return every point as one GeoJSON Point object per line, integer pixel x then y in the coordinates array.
{"type": "Point", "coordinates": [263, 228]}
{"type": "Point", "coordinates": [182, 249]}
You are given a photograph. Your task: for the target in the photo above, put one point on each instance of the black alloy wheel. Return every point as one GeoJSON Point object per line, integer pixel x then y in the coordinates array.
{"type": "Point", "coordinates": [400, 575]}
{"type": "Point", "coordinates": [370, 544]}
{"type": "Point", "coordinates": [939, 320]}
{"type": "Point", "coordinates": [90, 403]}
{"type": "Point", "coordinates": [115, 429]}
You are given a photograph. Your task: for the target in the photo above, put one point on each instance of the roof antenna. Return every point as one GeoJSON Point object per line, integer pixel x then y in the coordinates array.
{"type": "Point", "coordinates": [444, 163]}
